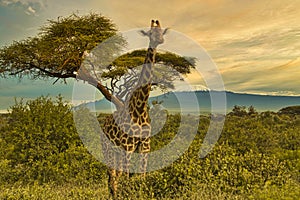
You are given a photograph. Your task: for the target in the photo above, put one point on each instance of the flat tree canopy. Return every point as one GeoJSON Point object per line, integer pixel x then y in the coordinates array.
{"type": "Point", "coordinates": [59, 50]}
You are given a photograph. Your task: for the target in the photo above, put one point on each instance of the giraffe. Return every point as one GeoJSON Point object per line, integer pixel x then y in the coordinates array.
{"type": "Point", "coordinates": [128, 128]}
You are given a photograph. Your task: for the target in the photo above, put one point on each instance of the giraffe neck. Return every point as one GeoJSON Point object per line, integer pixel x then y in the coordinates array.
{"type": "Point", "coordinates": [146, 74]}
{"type": "Point", "coordinates": [139, 99]}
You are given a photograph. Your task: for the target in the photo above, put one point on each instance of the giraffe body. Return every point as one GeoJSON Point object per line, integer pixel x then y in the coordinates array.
{"type": "Point", "coordinates": [128, 129]}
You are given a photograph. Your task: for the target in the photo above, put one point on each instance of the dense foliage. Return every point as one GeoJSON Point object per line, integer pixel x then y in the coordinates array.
{"type": "Point", "coordinates": [42, 157]}
{"type": "Point", "coordinates": [39, 144]}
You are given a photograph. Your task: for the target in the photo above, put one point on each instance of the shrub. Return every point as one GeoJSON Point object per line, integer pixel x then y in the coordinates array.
{"type": "Point", "coordinates": [41, 144]}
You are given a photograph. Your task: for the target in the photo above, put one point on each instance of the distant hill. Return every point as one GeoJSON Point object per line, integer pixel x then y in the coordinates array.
{"type": "Point", "coordinates": [171, 100]}
{"type": "Point", "coordinates": [294, 110]}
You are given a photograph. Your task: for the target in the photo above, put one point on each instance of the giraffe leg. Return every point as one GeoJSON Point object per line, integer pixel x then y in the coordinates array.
{"type": "Point", "coordinates": [113, 182]}
{"type": "Point", "coordinates": [111, 157]}
{"type": "Point", "coordinates": [126, 163]}
{"type": "Point", "coordinates": [144, 164]}
{"type": "Point", "coordinates": [144, 149]}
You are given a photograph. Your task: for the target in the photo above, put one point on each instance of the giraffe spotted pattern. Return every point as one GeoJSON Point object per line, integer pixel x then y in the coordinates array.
{"type": "Point", "coordinates": [128, 129]}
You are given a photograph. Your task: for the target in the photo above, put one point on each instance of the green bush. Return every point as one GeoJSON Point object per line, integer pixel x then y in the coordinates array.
{"type": "Point", "coordinates": [42, 157]}
{"type": "Point", "coordinates": [41, 144]}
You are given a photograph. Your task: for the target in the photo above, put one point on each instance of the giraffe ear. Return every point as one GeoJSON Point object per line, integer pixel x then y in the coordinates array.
{"type": "Point", "coordinates": [144, 33]}
{"type": "Point", "coordinates": [166, 31]}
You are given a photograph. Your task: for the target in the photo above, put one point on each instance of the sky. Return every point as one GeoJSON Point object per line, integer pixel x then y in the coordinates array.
{"type": "Point", "coordinates": [255, 44]}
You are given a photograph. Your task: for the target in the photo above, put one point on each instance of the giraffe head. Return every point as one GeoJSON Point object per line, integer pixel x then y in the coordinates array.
{"type": "Point", "coordinates": [155, 34]}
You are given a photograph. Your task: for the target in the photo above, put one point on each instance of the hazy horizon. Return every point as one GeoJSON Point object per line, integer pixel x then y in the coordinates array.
{"type": "Point", "coordinates": [233, 98]}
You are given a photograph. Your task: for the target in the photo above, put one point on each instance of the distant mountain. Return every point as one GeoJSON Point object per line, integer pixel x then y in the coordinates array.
{"type": "Point", "coordinates": [187, 101]}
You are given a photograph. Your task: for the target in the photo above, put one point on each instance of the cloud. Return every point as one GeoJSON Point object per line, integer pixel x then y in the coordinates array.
{"type": "Point", "coordinates": [30, 7]}
{"type": "Point", "coordinates": [282, 79]}
{"type": "Point", "coordinates": [246, 39]}
{"type": "Point", "coordinates": [24, 2]}
{"type": "Point", "coordinates": [30, 11]}
{"type": "Point", "coordinates": [251, 61]}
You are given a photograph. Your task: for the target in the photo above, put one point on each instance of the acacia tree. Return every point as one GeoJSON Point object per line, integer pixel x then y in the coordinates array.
{"type": "Point", "coordinates": [59, 50]}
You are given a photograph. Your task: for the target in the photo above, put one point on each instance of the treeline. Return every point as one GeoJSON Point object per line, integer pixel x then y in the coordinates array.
{"type": "Point", "coordinates": [256, 157]}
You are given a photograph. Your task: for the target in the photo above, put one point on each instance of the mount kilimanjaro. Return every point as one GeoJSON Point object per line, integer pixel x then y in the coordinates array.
{"type": "Point", "coordinates": [187, 103]}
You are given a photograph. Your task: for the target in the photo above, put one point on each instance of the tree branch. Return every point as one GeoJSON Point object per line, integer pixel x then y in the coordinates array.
{"type": "Point", "coordinates": [17, 72]}
{"type": "Point", "coordinates": [82, 75]}
{"type": "Point", "coordinates": [53, 74]}
{"type": "Point", "coordinates": [109, 96]}
{"type": "Point", "coordinates": [85, 76]}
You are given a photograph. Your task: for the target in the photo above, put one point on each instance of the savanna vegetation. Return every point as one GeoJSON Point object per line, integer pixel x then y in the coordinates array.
{"type": "Point", "coordinates": [43, 157]}
{"type": "Point", "coordinates": [256, 157]}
